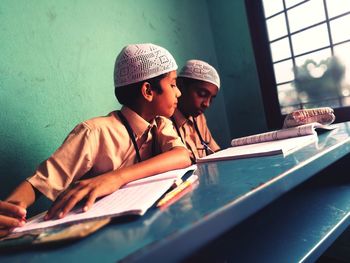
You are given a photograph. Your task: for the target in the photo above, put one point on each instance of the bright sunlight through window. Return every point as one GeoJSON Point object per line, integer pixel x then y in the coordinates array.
{"type": "Point", "coordinates": [310, 49]}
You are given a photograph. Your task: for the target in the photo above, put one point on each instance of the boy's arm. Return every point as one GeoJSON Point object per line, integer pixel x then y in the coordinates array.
{"type": "Point", "coordinates": [13, 210]}
{"type": "Point", "coordinates": [107, 183]}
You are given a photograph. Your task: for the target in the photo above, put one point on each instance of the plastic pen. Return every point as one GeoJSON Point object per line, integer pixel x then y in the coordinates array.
{"type": "Point", "coordinates": [193, 178]}
{"type": "Point", "coordinates": [207, 148]}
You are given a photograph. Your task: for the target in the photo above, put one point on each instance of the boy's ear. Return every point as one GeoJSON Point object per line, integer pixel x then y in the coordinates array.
{"type": "Point", "coordinates": [146, 91]}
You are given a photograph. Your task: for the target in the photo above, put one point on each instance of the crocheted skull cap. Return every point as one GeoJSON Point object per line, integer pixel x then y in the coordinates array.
{"type": "Point", "coordinates": [139, 62]}
{"type": "Point", "coordinates": [198, 69]}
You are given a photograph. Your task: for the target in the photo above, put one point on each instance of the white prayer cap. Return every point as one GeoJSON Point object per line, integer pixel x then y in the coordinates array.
{"type": "Point", "coordinates": [139, 62]}
{"type": "Point", "coordinates": [198, 69]}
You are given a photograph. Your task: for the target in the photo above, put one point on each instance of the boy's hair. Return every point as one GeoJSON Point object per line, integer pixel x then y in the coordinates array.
{"type": "Point", "coordinates": [200, 70]}
{"type": "Point", "coordinates": [129, 94]}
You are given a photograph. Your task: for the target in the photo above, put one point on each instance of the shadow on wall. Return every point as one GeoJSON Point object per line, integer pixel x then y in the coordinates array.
{"type": "Point", "coordinates": [18, 161]}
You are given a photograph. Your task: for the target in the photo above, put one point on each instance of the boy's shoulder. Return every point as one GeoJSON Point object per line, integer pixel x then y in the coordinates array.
{"type": "Point", "coordinates": [163, 121]}
{"type": "Point", "coordinates": [102, 122]}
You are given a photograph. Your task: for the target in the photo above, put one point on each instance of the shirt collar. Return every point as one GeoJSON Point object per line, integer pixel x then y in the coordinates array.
{"type": "Point", "coordinates": [180, 119]}
{"type": "Point", "coordinates": [138, 124]}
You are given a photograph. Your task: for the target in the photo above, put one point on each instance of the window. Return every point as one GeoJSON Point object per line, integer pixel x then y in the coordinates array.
{"type": "Point", "coordinates": [302, 51]}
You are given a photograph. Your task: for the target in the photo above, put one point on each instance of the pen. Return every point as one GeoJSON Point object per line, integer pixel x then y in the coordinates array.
{"type": "Point", "coordinates": [193, 178]}
{"type": "Point", "coordinates": [207, 148]}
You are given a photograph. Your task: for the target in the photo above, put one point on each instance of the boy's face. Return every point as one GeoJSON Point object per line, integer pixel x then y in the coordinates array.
{"type": "Point", "coordinates": [166, 102]}
{"type": "Point", "coordinates": [196, 98]}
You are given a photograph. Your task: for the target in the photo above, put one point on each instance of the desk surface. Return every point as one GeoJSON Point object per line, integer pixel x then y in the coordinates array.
{"type": "Point", "coordinates": [228, 193]}
{"type": "Point", "coordinates": [297, 227]}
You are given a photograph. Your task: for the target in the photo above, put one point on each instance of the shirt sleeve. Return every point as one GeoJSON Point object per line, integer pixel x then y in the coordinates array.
{"type": "Point", "coordinates": [167, 137]}
{"type": "Point", "coordinates": [68, 163]}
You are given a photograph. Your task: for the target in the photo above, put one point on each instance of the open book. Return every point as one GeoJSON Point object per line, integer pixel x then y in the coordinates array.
{"type": "Point", "coordinates": [283, 141]}
{"type": "Point", "coordinates": [306, 129]}
{"type": "Point", "coordinates": [284, 146]}
{"type": "Point", "coordinates": [134, 198]}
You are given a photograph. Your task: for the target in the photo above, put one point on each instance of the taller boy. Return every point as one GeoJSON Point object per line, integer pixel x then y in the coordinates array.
{"type": "Point", "coordinates": [102, 154]}
{"type": "Point", "coordinates": [199, 83]}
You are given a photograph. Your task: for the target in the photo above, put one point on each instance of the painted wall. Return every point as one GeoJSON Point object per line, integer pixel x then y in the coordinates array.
{"type": "Point", "coordinates": [236, 60]}
{"type": "Point", "coordinates": [57, 59]}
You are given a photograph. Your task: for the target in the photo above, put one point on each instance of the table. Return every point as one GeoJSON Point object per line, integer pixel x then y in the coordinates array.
{"type": "Point", "coordinates": [243, 198]}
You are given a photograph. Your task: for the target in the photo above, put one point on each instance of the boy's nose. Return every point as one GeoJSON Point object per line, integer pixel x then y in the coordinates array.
{"type": "Point", "coordinates": [177, 92]}
{"type": "Point", "coordinates": [206, 103]}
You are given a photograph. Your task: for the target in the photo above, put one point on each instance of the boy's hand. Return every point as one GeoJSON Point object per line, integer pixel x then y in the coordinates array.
{"type": "Point", "coordinates": [12, 214]}
{"type": "Point", "coordinates": [89, 189]}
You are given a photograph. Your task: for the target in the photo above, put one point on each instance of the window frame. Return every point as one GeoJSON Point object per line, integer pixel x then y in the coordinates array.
{"type": "Point", "coordinates": [265, 69]}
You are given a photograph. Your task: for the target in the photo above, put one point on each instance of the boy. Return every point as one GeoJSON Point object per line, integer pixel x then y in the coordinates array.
{"type": "Point", "coordinates": [199, 83]}
{"type": "Point", "coordinates": [102, 154]}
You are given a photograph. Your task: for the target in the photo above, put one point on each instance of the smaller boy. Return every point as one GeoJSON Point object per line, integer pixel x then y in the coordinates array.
{"type": "Point", "coordinates": [199, 83]}
{"type": "Point", "coordinates": [102, 154]}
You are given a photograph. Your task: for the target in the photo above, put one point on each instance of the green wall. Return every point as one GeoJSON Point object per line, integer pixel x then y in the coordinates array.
{"type": "Point", "coordinates": [235, 56]}
{"type": "Point", "coordinates": [57, 59]}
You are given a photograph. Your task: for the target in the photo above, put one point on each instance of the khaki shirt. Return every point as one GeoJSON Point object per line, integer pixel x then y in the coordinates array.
{"type": "Point", "coordinates": [100, 145]}
{"type": "Point", "coordinates": [190, 137]}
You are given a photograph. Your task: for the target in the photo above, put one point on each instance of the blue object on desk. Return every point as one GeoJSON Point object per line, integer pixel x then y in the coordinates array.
{"type": "Point", "coordinates": [229, 192]}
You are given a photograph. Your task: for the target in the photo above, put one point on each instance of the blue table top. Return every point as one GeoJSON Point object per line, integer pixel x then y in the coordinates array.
{"type": "Point", "coordinates": [297, 227]}
{"type": "Point", "coordinates": [227, 194]}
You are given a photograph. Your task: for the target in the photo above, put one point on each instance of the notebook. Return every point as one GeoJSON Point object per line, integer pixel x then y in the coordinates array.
{"type": "Point", "coordinates": [134, 198]}
{"type": "Point", "coordinates": [285, 147]}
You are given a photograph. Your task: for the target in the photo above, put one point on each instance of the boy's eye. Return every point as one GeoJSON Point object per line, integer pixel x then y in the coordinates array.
{"type": "Point", "coordinates": [173, 85]}
{"type": "Point", "coordinates": [202, 93]}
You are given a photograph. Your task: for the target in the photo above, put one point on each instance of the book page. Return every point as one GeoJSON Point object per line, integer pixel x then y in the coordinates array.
{"type": "Point", "coordinates": [173, 174]}
{"type": "Point", "coordinates": [132, 199]}
{"type": "Point", "coordinates": [293, 144]}
{"type": "Point", "coordinates": [306, 129]}
{"type": "Point", "coordinates": [244, 151]}
{"type": "Point", "coordinates": [284, 146]}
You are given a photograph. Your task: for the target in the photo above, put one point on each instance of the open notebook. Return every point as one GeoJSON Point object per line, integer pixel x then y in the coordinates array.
{"type": "Point", "coordinates": [134, 198]}
{"type": "Point", "coordinates": [284, 146]}
{"type": "Point", "coordinates": [284, 141]}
